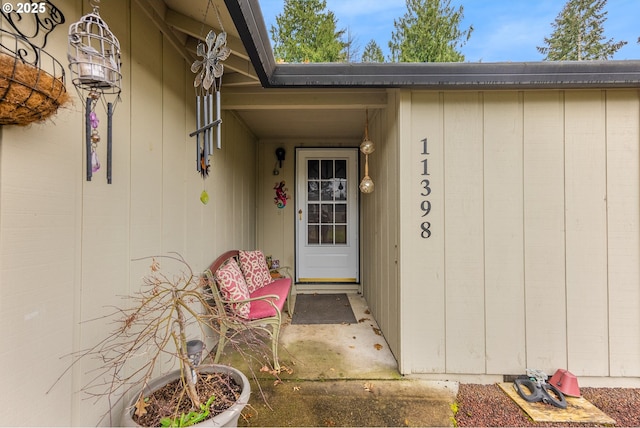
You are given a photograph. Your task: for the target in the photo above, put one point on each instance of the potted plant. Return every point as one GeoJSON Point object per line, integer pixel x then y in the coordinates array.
{"type": "Point", "coordinates": [149, 362]}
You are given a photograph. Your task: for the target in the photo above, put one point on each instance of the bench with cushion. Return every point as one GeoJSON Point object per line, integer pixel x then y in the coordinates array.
{"type": "Point", "coordinates": [247, 296]}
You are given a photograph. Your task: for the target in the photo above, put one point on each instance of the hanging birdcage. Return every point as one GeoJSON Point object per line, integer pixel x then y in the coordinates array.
{"type": "Point", "coordinates": [94, 55]}
{"type": "Point", "coordinates": [94, 61]}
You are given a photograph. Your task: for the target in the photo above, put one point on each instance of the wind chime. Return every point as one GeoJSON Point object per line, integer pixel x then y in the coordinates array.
{"type": "Point", "coordinates": [207, 84]}
{"type": "Point", "coordinates": [94, 61]}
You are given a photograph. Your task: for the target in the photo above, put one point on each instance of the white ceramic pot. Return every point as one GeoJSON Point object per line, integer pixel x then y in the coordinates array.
{"type": "Point", "coordinates": [228, 418]}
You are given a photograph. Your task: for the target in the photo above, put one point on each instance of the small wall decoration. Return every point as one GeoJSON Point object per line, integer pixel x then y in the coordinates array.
{"type": "Point", "coordinates": [94, 61]}
{"type": "Point", "coordinates": [207, 83]}
{"type": "Point", "coordinates": [32, 82]}
{"type": "Point", "coordinates": [281, 194]}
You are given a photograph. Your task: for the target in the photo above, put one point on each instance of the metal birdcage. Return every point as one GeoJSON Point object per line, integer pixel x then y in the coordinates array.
{"type": "Point", "coordinates": [94, 55]}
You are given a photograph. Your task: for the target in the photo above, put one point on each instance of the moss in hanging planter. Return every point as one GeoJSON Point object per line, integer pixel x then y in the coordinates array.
{"type": "Point", "coordinates": [28, 94]}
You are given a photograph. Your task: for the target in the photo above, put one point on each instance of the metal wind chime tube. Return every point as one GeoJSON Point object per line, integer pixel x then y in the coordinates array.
{"type": "Point", "coordinates": [218, 129]}
{"type": "Point", "coordinates": [109, 140]}
{"type": "Point", "coordinates": [87, 128]}
{"type": "Point", "coordinates": [197, 134]}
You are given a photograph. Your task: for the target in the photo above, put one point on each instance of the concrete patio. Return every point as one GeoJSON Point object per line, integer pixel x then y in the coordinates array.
{"type": "Point", "coordinates": [343, 375]}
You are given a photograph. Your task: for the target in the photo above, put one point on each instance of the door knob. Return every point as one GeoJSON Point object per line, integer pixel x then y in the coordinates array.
{"type": "Point", "coordinates": [300, 213]}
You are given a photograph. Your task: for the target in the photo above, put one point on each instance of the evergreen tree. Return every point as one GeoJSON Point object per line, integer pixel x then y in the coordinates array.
{"type": "Point", "coordinates": [305, 32]}
{"type": "Point", "coordinates": [429, 32]}
{"type": "Point", "coordinates": [579, 33]}
{"type": "Point", "coordinates": [372, 52]}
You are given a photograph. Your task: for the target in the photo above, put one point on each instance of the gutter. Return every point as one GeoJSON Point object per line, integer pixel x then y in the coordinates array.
{"type": "Point", "coordinates": [247, 17]}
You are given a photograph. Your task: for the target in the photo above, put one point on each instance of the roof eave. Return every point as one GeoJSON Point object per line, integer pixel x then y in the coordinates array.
{"type": "Point", "coordinates": [249, 22]}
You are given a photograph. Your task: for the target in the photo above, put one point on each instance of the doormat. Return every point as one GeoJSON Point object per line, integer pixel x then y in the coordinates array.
{"type": "Point", "coordinates": [579, 409]}
{"type": "Point", "coordinates": [323, 309]}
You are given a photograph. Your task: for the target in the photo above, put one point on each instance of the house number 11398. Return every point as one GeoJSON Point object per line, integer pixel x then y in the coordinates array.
{"type": "Point", "coordinates": [425, 191]}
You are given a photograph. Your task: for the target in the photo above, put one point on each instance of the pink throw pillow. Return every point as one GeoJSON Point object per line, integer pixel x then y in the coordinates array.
{"type": "Point", "coordinates": [255, 270]}
{"type": "Point", "coordinates": [233, 287]}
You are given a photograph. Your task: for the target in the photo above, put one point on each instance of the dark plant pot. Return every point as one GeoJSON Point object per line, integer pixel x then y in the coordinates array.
{"type": "Point", "coordinates": [228, 418]}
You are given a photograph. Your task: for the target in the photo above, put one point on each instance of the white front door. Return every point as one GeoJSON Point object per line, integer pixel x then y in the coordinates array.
{"type": "Point", "coordinates": [327, 216]}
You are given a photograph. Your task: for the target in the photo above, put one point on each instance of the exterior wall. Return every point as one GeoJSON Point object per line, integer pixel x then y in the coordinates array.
{"type": "Point", "coordinates": [379, 225]}
{"type": "Point", "coordinates": [276, 226]}
{"type": "Point", "coordinates": [533, 256]}
{"type": "Point", "coordinates": [67, 245]}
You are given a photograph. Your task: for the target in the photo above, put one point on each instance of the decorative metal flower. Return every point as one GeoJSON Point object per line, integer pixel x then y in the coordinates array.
{"type": "Point", "coordinates": [213, 53]}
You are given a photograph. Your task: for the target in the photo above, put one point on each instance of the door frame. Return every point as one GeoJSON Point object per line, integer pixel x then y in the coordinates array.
{"type": "Point", "coordinates": [322, 286]}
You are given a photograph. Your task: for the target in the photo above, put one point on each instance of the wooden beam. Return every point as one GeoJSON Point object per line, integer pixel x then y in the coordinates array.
{"type": "Point", "coordinates": [153, 9]}
{"type": "Point", "coordinates": [200, 30]}
{"type": "Point", "coordinates": [314, 99]}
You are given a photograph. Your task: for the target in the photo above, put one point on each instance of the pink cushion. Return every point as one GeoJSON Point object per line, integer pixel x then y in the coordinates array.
{"type": "Point", "coordinates": [233, 287]}
{"type": "Point", "coordinates": [262, 309]}
{"type": "Point", "coordinates": [255, 270]}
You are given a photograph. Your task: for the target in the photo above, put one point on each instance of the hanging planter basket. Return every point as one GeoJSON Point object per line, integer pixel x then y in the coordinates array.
{"type": "Point", "coordinates": [32, 85]}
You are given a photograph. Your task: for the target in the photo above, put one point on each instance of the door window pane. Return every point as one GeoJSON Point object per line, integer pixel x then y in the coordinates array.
{"type": "Point", "coordinates": [327, 235]}
{"type": "Point", "coordinates": [313, 190]}
{"type": "Point", "coordinates": [312, 234]}
{"type": "Point", "coordinates": [313, 213]}
{"type": "Point", "coordinates": [340, 189]}
{"type": "Point", "coordinates": [327, 213]}
{"type": "Point", "coordinates": [327, 169]}
{"type": "Point", "coordinates": [341, 169]}
{"type": "Point", "coordinates": [327, 191]}
{"type": "Point", "coordinates": [313, 169]}
{"type": "Point", "coordinates": [341, 213]}
{"type": "Point", "coordinates": [341, 234]}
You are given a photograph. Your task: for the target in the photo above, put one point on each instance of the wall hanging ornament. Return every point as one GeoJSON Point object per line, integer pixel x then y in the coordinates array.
{"type": "Point", "coordinates": [207, 85]}
{"type": "Point", "coordinates": [281, 194]}
{"type": "Point", "coordinates": [32, 82]}
{"type": "Point", "coordinates": [366, 147]}
{"type": "Point", "coordinates": [94, 61]}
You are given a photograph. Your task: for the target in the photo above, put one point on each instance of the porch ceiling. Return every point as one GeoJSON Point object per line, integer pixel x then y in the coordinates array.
{"type": "Point", "coordinates": [271, 114]}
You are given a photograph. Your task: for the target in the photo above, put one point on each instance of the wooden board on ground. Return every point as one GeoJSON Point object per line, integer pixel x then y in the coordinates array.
{"type": "Point", "coordinates": [578, 409]}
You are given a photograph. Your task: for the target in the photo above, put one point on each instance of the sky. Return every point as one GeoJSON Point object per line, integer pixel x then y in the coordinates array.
{"type": "Point", "coordinates": [504, 30]}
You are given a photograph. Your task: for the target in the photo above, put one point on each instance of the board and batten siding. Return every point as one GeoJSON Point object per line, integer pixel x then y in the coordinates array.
{"type": "Point", "coordinates": [67, 244]}
{"type": "Point", "coordinates": [379, 230]}
{"type": "Point", "coordinates": [532, 259]}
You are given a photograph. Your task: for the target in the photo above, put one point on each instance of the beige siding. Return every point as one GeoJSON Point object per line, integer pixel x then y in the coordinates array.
{"type": "Point", "coordinates": [586, 233]}
{"type": "Point", "coordinates": [544, 238]}
{"type": "Point", "coordinates": [623, 227]}
{"type": "Point", "coordinates": [422, 259]}
{"type": "Point", "coordinates": [66, 244]}
{"type": "Point", "coordinates": [464, 235]}
{"type": "Point", "coordinates": [379, 229]}
{"type": "Point", "coordinates": [540, 233]}
{"type": "Point", "coordinates": [503, 230]}
{"type": "Point", "coordinates": [40, 175]}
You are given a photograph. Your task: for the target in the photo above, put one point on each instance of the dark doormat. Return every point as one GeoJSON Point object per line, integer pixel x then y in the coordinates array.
{"type": "Point", "coordinates": [323, 309]}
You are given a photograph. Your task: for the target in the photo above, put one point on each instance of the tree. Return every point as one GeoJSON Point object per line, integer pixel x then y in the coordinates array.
{"type": "Point", "coordinates": [579, 33]}
{"type": "Point", "coordinates": [429, 32]}
{"type": "Point", "coordinates": [352, 48]}
{"type": "Point", "coordinates": [304, 32]}
{"type": "Point", "coordinates": [372, 52]}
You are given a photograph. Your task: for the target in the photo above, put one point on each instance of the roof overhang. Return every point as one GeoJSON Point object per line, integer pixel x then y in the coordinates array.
{"type": "Point", "coordinates": [249, 22]}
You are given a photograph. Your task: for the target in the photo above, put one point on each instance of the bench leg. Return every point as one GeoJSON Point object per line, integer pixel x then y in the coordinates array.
{"type": "Point", "coordinates": [274, 346]}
